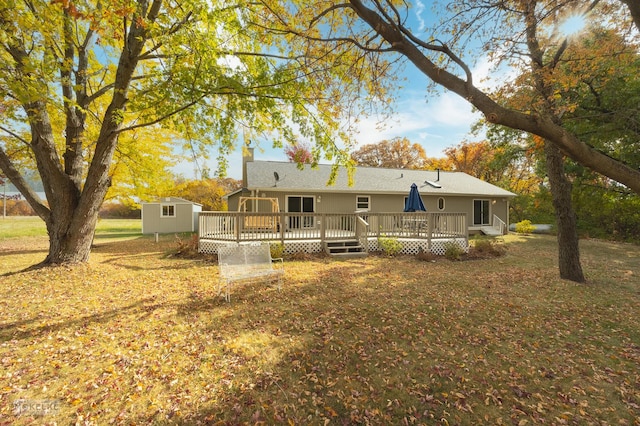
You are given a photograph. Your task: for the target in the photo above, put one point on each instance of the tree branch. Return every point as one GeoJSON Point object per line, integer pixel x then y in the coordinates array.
{"type": "Point", "coordinates": [21, 184]}
{"type": "Point", "coordinates": [634, 9]}
{"type": "Point", "coordinates": [537, 124]}
{"type": "Point", "coordinates": [14, 135]}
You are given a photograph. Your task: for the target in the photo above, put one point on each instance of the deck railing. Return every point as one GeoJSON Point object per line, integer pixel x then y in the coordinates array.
{"type": "Point", "coordinates": [251, 226]}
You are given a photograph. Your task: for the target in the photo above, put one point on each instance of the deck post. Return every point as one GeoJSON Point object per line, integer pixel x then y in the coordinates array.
{"type": "Point", "coordinates": [239, 222]}
{"type": "Point", "coordinates": [323, 229]}
{"type": "Point", "coordinates": [430, 220]}
{"type": "Point", "coordinates": [282, 226]}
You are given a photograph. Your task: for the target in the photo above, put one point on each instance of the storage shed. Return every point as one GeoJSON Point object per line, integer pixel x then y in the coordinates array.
{"type": "Point", "coordinates": [170, 214]}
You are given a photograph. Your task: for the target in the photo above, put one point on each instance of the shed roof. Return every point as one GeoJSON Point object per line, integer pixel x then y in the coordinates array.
{"type": "Point", "coordinates": [285, 176]}
{"type": "Point", "coordinates": [172, 200]}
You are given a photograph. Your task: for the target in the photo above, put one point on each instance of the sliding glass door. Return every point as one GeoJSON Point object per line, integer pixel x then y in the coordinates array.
{"type": "Point", "coordinates": [300, 204]}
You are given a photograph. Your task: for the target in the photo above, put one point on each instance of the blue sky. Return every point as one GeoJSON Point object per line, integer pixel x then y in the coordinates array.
{"type": "Point", "coordinates": [441, 122]}
{"type": "Point", "coordinates": [436, 119]}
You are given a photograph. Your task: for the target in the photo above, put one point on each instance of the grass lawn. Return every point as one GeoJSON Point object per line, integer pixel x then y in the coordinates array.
{"type": "Point", "coordinates": [136, 337]}
{"type": "Point", "coordinates": [31, 226]}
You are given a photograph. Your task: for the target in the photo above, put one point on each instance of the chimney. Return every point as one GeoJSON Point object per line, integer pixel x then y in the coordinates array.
{"type": "Point", "coordinates": [247, 157]}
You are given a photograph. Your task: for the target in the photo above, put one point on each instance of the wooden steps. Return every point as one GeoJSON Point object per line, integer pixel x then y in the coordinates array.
{"type": "Point", "coordinates": [345, 249]}
{"type": "Point", "coordinates": [490, 230]}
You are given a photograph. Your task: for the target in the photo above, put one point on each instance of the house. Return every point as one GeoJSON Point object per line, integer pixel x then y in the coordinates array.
{"type": "Point", "coordinates": [170, 214]}
{"type": "Point", "coordinates": [296, 207]}
{"type": "Point", "coordinates": [374, 190]}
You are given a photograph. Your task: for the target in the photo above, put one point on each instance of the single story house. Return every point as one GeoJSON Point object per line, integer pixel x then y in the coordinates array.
{"type": "Point", "coordinates": [374, 190]}
{"type": "Point", "coordinates": [170, 214]}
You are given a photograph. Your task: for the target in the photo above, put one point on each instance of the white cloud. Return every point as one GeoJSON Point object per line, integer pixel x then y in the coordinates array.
{"type": "Point", "coordinates": [489, 75]}
{"type": "Point", "coordinates": [232, 63]}
{"type": "Point", "coordinates": [419, 10]}
{"type": "Point", "coordinates": [442, 122]}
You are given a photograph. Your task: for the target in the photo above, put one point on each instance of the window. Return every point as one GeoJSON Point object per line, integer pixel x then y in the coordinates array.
{"type": "Point", "coordinates": [168, 210]}
{"type": "Point", "coordinates": [481, 212]}
{"type": "Point", "coordinates": [440, 203]}
{"type": "Point", "coordinates": [363, 202]}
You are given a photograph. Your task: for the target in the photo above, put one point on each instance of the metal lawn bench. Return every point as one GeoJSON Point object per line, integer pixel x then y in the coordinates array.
{"type": "Point", "coordinates": [247, 262]}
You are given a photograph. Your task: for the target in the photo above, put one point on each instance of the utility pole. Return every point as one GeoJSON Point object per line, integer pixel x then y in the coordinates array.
{"type": "Point", "coordinates": [4, 199]}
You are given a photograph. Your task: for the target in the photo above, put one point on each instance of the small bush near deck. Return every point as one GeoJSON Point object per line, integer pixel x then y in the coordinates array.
{"type": "Point", "coordinates": [524, 227]}
{"type": "Point", "coordinates": [488, 248]}
{"type": "Point", "coordinates": [453, 251]}
{"type": "Point", "coordinates": [390, 246]}
{"type": "Point", "coordinates": [186, 248]}
{"type": "Point", "coordinates": [277, 249]}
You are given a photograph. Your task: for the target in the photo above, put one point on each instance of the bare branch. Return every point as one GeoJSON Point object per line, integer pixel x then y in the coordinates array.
{"type": "Point", "coordinates": [14, 135]}
{"type": "Point", "coordinates": [334, 7]}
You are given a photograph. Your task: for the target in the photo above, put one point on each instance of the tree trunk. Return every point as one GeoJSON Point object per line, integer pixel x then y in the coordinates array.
{"type": "Point", "coordinates": [568, 252]}
{"type": "Point", "coordinates": [70, 240]}
{"type": "Point", "coordinates": [72, 211]}
{"type": "Point", "coordinates": [634, 9]}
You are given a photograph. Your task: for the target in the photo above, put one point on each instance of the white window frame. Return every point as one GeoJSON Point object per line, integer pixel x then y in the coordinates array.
{"type": "Point", "coordinates": [360, 203]}
{"type": "Point", "coordinates": [169, 214]}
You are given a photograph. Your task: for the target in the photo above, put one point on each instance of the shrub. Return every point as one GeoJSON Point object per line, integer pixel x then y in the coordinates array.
{"type": "Point", "coordinates": [277, 249]}
{"type": "Point", "coordinates": [186, 248]}
{"type": "Point", "coordinates": [119, 211]}
{"type": "Point", "coordinates": [390, 246]}
{"type": "Point", "coordinates": [524, 227]}
{"type": "Point", "coordinates": [453, 251]}
{"type": "Point", "coordinates": [18, 208]}
{"type": "Point", "coordinates": [484, 247]}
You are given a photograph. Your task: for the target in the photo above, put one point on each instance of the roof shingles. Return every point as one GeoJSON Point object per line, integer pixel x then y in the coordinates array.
{"type": "Point", "coordinates": [262, 175]}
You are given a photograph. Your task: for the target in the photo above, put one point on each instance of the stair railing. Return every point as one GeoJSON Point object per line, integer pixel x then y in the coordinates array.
{"type": "Point", "coordinates": [499, 225]}
{"type": "Point", "coordinates": [361, 232]}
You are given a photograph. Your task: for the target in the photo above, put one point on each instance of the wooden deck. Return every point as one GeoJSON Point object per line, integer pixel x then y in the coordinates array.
{"type": "Point", "coordinates": [309, 232]}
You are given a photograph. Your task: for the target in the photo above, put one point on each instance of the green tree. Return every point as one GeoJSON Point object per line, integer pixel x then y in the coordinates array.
{"type": "Point", "coordinates": [609, 122]}
{"type": "Point", "coordinates": [79, 78]}
{"type": "Point", "coordinates": [515, 155]}
{"type": "Point", "coordinates": [567, 83]}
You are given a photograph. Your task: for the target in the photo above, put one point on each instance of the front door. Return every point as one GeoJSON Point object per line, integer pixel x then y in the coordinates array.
{"type": "Point", "coordinates": [299, 204]}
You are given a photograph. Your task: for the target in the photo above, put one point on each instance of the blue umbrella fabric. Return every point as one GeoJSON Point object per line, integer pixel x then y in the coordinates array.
{"type": "Point", "coordinates": [414, 202]}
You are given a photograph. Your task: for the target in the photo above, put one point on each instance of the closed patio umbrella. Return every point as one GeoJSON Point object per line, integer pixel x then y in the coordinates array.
{"type": "Point", "coordinates": [414, 202]}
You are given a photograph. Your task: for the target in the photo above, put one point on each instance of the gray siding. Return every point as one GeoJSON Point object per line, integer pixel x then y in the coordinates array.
{"type": "Point", "coordinates": [184, 220]}
{"type": "Point", "coordinates": [326, 202]}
